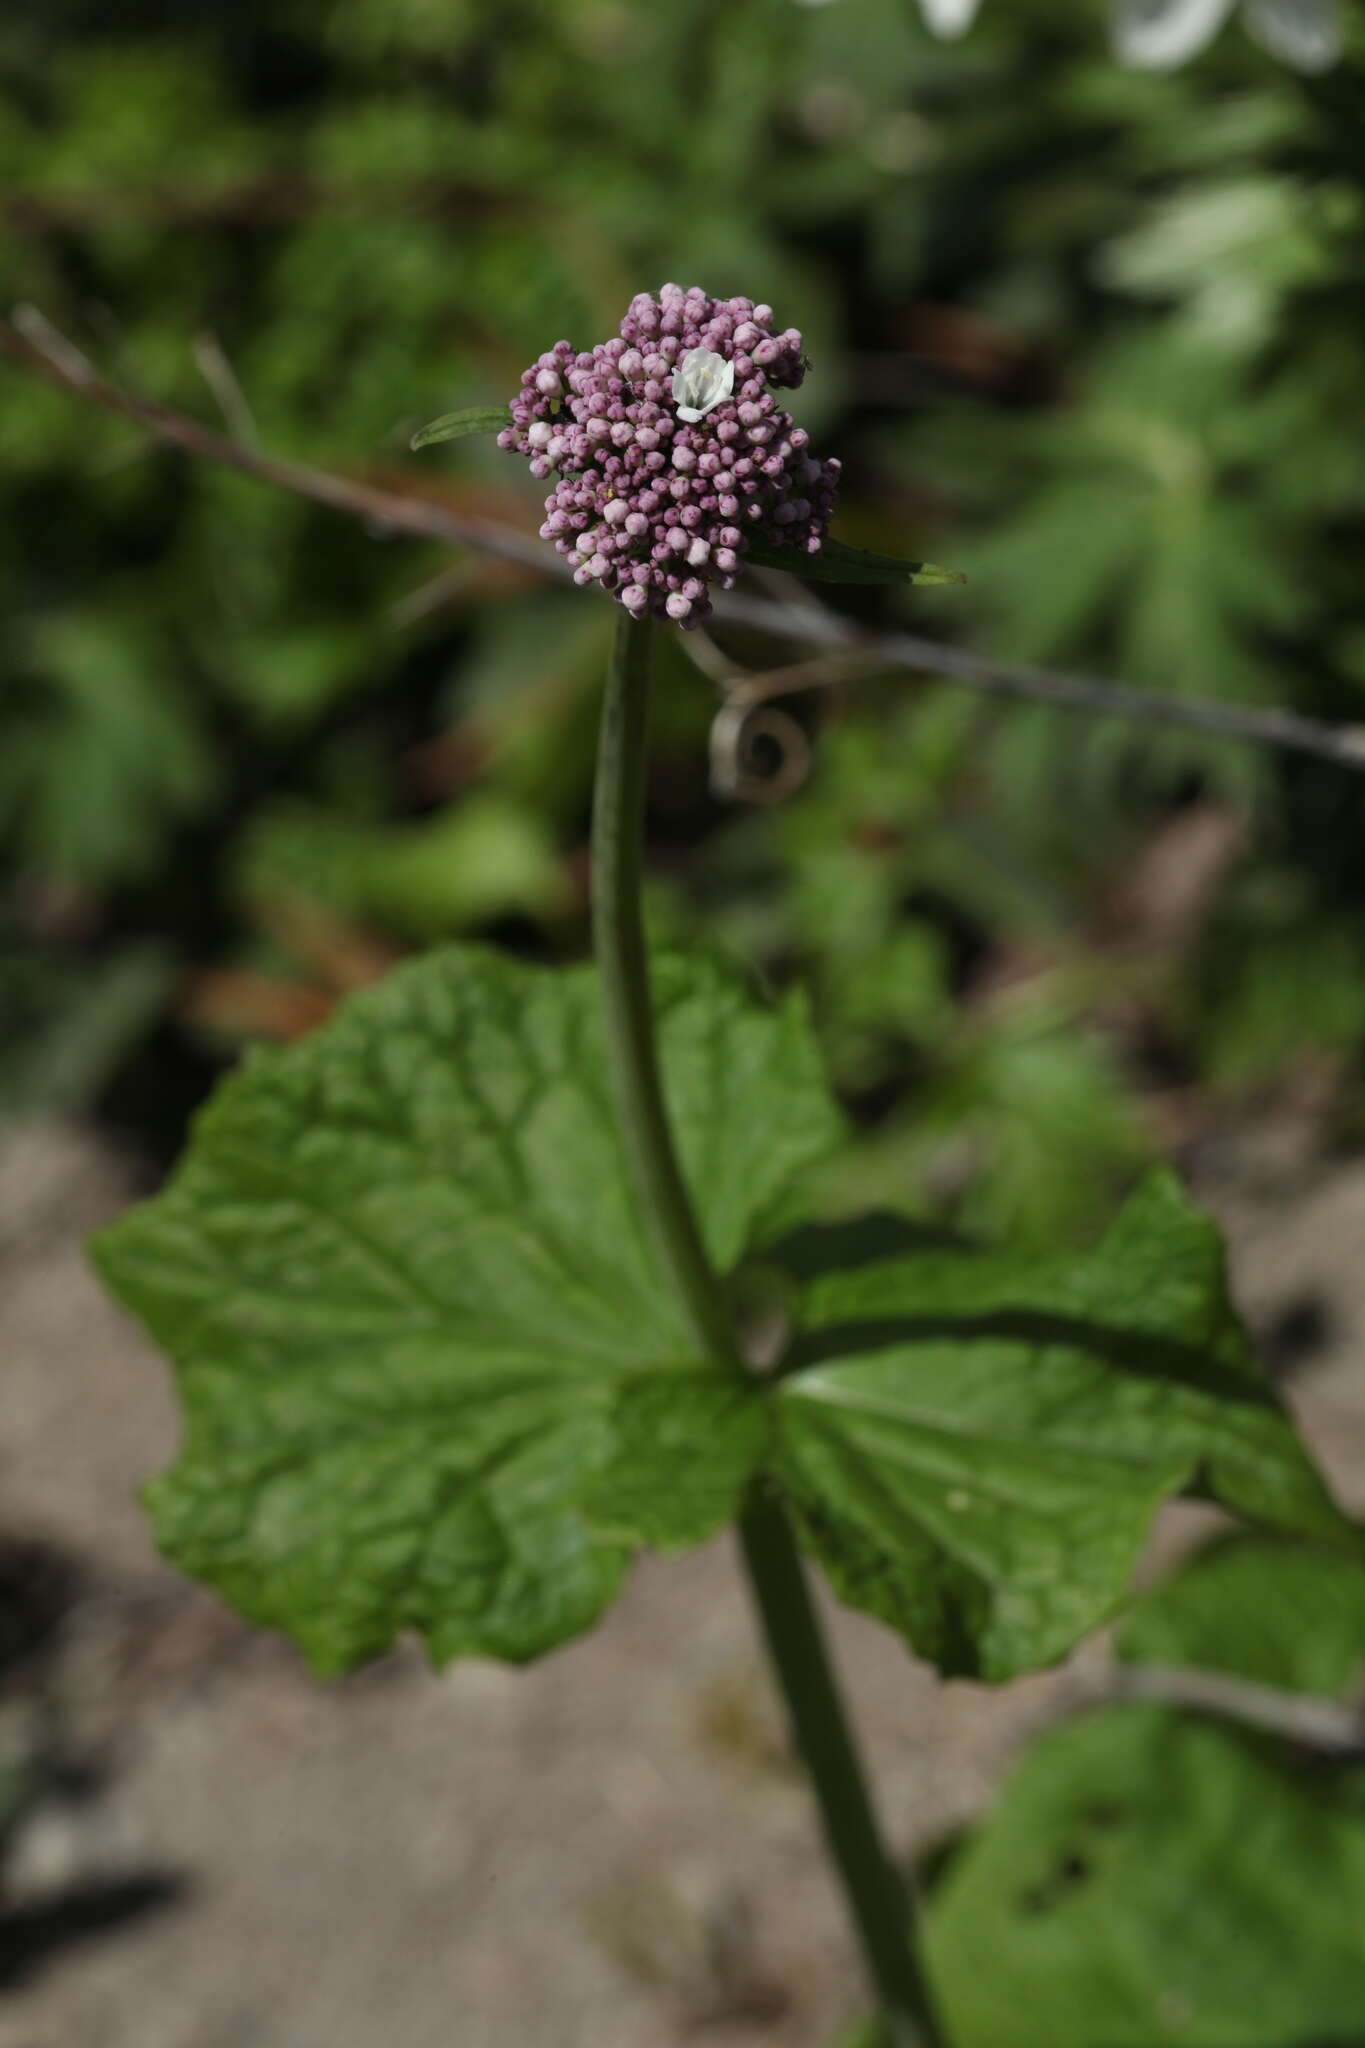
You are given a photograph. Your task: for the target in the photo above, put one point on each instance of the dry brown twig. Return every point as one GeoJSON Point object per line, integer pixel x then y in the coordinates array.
{"type": "Point", "coordinates": [217, 372]}
{"type": "Point", "coordinates": [1332, 1727]}
{"type": "Point", "coordinates": [273, 199]}
{"type": "Point", "coordinates": [34, 345]}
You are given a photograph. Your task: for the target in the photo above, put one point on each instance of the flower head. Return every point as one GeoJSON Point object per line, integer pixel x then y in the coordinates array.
{"type": "Point", "coordinates": [669, 451]}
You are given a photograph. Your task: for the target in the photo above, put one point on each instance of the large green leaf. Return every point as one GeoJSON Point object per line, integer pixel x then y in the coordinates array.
{"type": "Point", "coordinates": [1149, 1878]}
{"type": "Point", "coordinates": [432, 1372]}
{"type": "Point", "coordinates": [1281, 1613]}
{"type": "Point", "coordinates": [976, 1445]}
{"type": "Point", "coordinates": [435, 1377]}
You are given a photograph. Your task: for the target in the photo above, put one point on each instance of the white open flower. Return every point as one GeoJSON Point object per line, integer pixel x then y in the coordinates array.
{"type": "Point", "coordinates": [701, 380]}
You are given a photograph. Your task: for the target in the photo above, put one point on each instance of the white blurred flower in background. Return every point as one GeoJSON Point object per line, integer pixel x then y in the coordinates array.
{"type": "Point", "coordinates": [1156, 35]}
{"type": "Point", "coordinates": [950, 17]}
{"type": "Point", "coordinates": [1159, 34]}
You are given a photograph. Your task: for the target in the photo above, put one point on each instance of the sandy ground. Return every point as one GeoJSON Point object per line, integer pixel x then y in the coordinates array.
{"type": "Point", "coordinates": [611, 1850]}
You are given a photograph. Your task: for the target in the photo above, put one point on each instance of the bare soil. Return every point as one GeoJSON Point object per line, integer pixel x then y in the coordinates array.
{"type": "Point", "coordinates": [610, 1850]}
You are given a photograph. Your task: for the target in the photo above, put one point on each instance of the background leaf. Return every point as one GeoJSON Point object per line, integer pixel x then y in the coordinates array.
{"type": "Point", "coordinates": [838, 563]}
{"type": "Point", "coordinates": [1280, 1613]}
{"type": "Point", "coordinates": [1150, 1878]}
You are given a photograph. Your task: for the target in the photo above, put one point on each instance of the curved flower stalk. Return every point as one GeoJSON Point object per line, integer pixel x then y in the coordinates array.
{"type": "Point", "coordinates": [1158, 35]}
{"type": "Point", "coordinates": [672, 458]}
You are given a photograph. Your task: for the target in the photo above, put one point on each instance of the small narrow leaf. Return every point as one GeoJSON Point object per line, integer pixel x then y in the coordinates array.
{"type": "Point", "coordinates": [837, 563]}
{"type": "Point", "coordinates": [453, 426]}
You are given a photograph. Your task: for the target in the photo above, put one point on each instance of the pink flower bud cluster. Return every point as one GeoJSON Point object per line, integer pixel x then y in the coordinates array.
{"type": "Point", "coordinates": [653, 508]}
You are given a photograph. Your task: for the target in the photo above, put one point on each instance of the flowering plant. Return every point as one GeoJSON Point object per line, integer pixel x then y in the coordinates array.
{"type": "Point", "coordinates": [452, 1285]}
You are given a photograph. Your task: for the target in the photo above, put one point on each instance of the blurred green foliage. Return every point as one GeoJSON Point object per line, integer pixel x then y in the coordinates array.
{"type": "Point", "coordinates": [1152, 1876]}
{"type": "Point", "coordinates": [1150, 1873]}
{"type": "Point", "coordinates": [1280, 1614]}
{"type": "Point", "coordinates": [1092, 336]}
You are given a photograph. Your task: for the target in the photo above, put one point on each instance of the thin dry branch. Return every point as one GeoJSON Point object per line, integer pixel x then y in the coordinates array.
{"type": "Point", "coordinates": [816, 672]}
{"type": "Point", "coordinates": [217, 372]}
{"type": "Point", "coordinates": [1333, 1727]}
{"type": "Point", "coordinates": [1344, 744]}
{"type": "Point", "coordinates": [43, 352]}
{"type": "Point", "coordinates": [276, 199]}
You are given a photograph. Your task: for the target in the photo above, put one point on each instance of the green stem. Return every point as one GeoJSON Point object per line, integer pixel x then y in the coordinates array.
{"type": "Point", "coordinates": [877, 1899]}
{"type": "Point", "coordinates": [878, 1896]}
{"type": "Point", "coordinates": [623, 963]}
